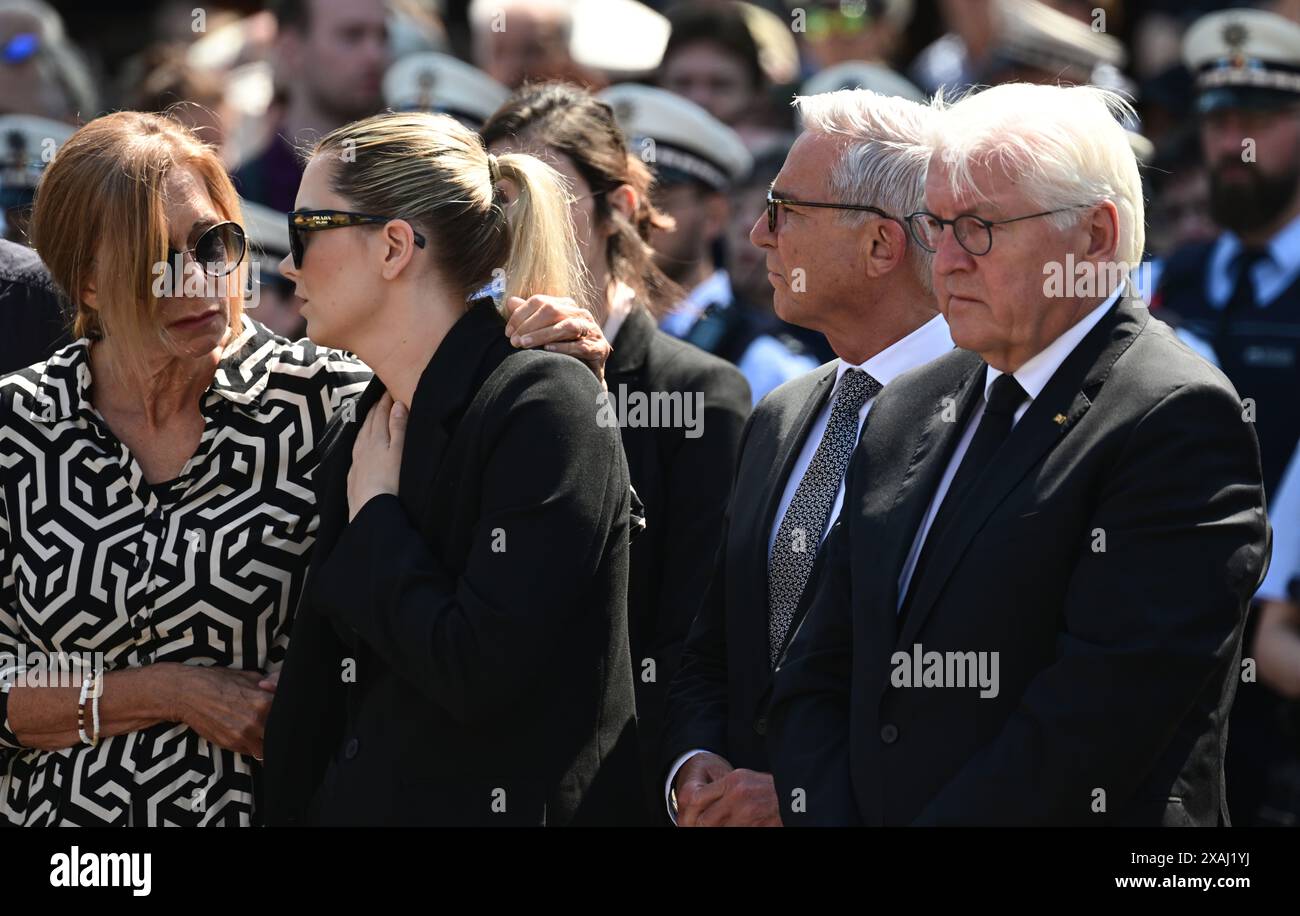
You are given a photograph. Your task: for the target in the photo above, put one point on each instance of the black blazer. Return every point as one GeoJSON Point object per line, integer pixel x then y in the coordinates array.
{"type": "Point", "coordinates": [483, 610]}
{"type": "Point", "coordinates": [683, 481]}
{"type": "Point", "coordinates": [1108, 557]}
{"type": "Point", "coordinates": [717, 702]}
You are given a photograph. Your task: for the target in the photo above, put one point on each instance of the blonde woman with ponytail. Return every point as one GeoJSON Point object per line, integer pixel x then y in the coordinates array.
{"type": "Point", "coordinates": [460, 656]}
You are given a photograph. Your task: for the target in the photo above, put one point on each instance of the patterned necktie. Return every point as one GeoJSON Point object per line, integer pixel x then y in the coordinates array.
{"type": "Point", "coordinates": [799, 536]}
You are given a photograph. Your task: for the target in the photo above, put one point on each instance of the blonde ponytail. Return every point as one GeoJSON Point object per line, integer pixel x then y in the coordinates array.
{"type": "Point", "coordinates": [435, 173]}
{"type": "Point", "coordinates": [543, 257]}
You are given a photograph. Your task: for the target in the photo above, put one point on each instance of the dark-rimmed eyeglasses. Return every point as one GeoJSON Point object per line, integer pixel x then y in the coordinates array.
{"type": "Point", "coordinates": [217, 251]}
{"type": "Point", "coordinates": [774, 202]}
{"type": "Point", "coordinates": [303, 221]}
{"type": "Point", "coordinates": [973, 233]}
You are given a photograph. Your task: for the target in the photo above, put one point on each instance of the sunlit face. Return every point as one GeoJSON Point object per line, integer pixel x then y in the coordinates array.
{"type": "Point", "coordinates": [1253, 160]}
{"type": "Point", "coordinates": [698, 215]}
{"type": "Point", "coordinates": [531, 45]}
{"type": "Point", "coordinates": [745, 261]}
{"type": "Point", "coordinates": [996, 304]}
{"type": "Point", "coordinates": [711, 78]}
{"type": "Point", "coordinates": [812, 253]}
{"type": "Point", "coordinates": [340, 272]}
{"type": "Point", "coordinates": [197, 319]}
{"type": "Point", "coordinates": [343, 55]}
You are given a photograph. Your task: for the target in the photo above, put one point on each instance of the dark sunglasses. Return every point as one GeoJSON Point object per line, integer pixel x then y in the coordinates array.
{"type": "Point", "coordinates": [303, 221]}
{"type": "Point", "coordinates": [217, 251]}
{"type": "Point", "coordinates": [774, 202]}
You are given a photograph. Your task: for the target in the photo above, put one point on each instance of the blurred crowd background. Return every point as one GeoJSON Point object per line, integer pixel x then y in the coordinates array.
{"type": "Point", "coordinates": [260, 80]}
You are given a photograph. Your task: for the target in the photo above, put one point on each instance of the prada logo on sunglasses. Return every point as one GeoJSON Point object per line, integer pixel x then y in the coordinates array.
{"type": "Point", "coordinates": [304, 221]}
{"type": "Point", "coordinates": [321, 220]}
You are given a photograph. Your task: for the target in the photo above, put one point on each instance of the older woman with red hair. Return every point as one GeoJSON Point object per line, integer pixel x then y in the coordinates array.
{"type": "Point", "coordinates": [157, 510]}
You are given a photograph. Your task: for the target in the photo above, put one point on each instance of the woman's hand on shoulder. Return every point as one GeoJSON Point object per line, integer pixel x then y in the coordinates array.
{"type": "Point", "coordinates": [559, 325]}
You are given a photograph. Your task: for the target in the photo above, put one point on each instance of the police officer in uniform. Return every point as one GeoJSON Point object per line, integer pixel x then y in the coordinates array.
{"type": "Point", "coordinates": [1241, 291]}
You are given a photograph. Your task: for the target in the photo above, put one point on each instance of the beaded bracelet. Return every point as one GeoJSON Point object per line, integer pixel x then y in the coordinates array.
{"type": "Point", "coordinates": [92, 688]}
{"type": "Point", "coordinates": [81, 709]}
{"type": "Point", "coordinates": [96, 693]}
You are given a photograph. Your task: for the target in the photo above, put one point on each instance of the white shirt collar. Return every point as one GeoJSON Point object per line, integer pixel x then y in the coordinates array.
{"type": "Point", "coordinates": [1283, 248]}
{"type": "Point", "coordinates": [620, 307]}
{"type": "Point", "coordinates": [715, 289]}
{"type": "Point", "coordinates": [930, 341]}
{"type": "Point", "coordinates": [1038, 370]}
{"type": "Point", "coordinates": [1271, 277]}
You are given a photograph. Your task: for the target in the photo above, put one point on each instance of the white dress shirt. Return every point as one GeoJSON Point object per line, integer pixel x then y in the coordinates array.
{"type": "Point", "coordinates": [928, 342]}
{"type": "Point", "coordinates": [1271, 276]}
{"type": "Point", "coordinates": [715, 288]}
{"type": "Point", "coordinates": [1033, 376]}
{"type": "Point", "coordinates": [619, 307]}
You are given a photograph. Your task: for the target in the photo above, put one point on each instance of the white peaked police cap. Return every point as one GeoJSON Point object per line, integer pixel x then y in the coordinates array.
{"type": "Point", "coordinates": [1244, 58]}
{"type": "Point", "coordinates": [431, 81]}
{"type": "Point", "coordinates": [687, 140]}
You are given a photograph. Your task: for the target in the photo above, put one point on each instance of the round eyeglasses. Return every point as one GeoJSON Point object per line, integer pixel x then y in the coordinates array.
{"type": "Point", "coordinates": [973, 233]}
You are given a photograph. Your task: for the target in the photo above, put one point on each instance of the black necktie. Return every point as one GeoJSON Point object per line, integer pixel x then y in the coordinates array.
{"type": "Point", "coordinates": [800, 532]}
{"type": "Point", "coordinates": [1243, 299]}
{"type": "Point", "coordinates": [1005, 395]}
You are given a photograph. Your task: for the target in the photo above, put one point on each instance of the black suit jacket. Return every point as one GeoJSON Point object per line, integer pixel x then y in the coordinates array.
{"type": "Point", "coordinates": [1107, 557]}
{"type": "Point", "coordinates": [717, 702]}
{"type": "Point", "coordinates": [483, 610]}
{"type": "Point", "coordinates": [683, 481]}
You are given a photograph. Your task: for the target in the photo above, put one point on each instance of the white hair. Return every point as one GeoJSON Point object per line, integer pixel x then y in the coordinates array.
{"type": "Point", "coordinates": [885, 160]}
{"type": "Point", "coordinates": [1063, 145]}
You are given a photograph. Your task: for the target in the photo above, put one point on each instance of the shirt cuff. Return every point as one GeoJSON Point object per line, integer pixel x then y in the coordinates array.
{"type": "Point", "coordinates": [672, 775]}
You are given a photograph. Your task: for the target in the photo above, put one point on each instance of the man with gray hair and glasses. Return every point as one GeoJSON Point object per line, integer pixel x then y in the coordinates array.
{"type": "Point", "coordinates": [1031, 609]}
{"type": "Point", "coordinates": [841, 262]}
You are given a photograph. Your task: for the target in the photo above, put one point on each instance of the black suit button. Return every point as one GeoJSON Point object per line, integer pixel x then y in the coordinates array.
{"type": "Point", "coordinates": [760, 725]}
{"type": "Point", "coordinates": [351, 748]}
{"type": "Point", "coordinates": [889, 734]}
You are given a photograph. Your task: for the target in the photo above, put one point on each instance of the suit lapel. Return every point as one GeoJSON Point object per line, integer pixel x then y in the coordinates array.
{"type": "Point", "coordinates": [474, 346]}
{"type": "Point", "coordinates": [629, 349]}
{"type": "Point", "coordinates": [1047, 421]}
{"type": "Point", "coordinates": [935, 440]}
{"type": "Point", "coordinates": [788, 448]}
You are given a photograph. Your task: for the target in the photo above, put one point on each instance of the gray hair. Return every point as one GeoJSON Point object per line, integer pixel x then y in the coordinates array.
{"type": "Point", "coordinates": [885, 161]}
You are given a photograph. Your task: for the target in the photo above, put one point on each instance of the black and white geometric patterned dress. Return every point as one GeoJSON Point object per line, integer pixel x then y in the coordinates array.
{"type": "Point", "coordinates": [203, 570]}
